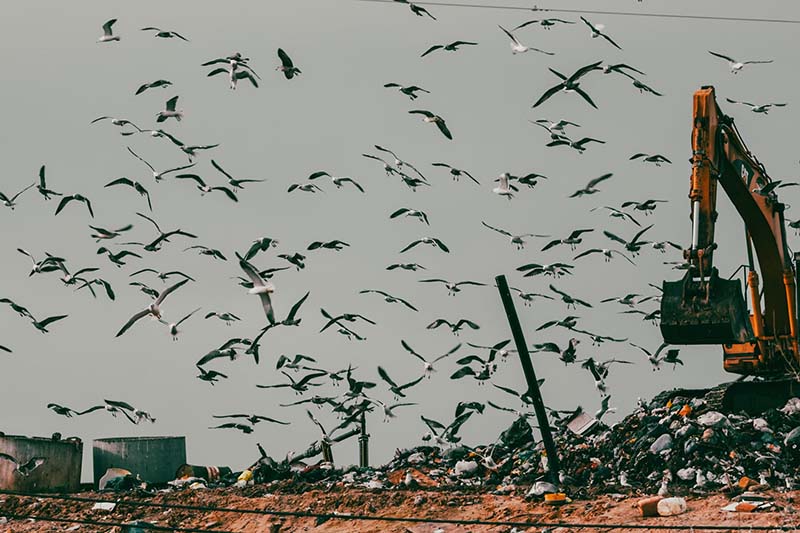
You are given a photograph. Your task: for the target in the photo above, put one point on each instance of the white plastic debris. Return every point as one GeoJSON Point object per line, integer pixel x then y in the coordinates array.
{"type": "Point", "coordinates": [416, 458]}
{"type": "Point", "coordinates": [662, 443]}
{"type": "Point", "coordinates": [687, 473]}
{"type": "Point", "coordinates": [104, 506]}
{"type": "Point", "coordinates": [792, 407]}
{"type": "Point", "coordinates": [466, 467]}
{"type": "Point", "coordinates": [374, 484]}
{"type": "Point", "coordinates": [759, 424]}
{"type": "Point", "coordinates": [671, 506]}
{"type": "Point", "coordinates": [713, 419]}
{"type": "Point", "coordinates": [542, 487]}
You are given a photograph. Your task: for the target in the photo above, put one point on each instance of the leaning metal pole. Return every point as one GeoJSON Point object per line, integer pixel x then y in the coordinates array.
{"type": "Point", "coordinates": [534, 393]}
{"type": "Point", "coordinates": [363, 443]}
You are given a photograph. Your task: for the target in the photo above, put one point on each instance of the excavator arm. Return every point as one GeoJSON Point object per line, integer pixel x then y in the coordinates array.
{"type": "Point", "coordinates": [704, 308]}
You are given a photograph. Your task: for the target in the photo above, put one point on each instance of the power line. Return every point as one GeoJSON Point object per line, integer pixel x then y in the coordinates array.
{"type": "Point", "coordinates": [596, 12]}
{"type": "Point", "coordinates": [410, 519]}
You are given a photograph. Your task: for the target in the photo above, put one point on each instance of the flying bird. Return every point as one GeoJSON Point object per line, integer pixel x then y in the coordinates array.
{"type": "Point", "coordinates": [406, 266]}
{"type": "Point", "coordinates": [616, 213]}
{"type": "Point", "coordinates": [579, 145]}
{"type": "Point", "coordinates": [286, 66]}
{"type": "Point", "coordinates": [389, 298]}
{"type": "Point", "coordinates": [567, 355]}
{"type": "Point", "coordinates": [396, 389]}
{"type": "Point", "coordinates": [505, 188]}
{"type": "Point", "coordinates": [427, 366]}
{"type": "Point", "coordinates": [756, 108]}
{"type": "Point", "coordinates": [173, 326]}
{"type": "Point", "coordinates": [544, 23]}
{"type": "Point", "coordinates": [570, 84]}
{"type": "Point", "coordinates": [339, 181]}
{"type": "Point", "coordinates": [647, 206]}
{"type": "Point", "coordinates": [42, 187]}
{"type": "Point", "coordinates": [597, 31]}
{"type": "Point", "coordinates": [419, 215]}
{"type": "Point", "coordinates": [591, 187]}
{"type": "Point", "coordinates": [41, 325]}
{"type": "Point", "coordinates": [158, 176]}
{"type": "Point", "coordinates": [607, 254]}
{"type": "Point", "coordinates": [165, 34]}
{"type": "Point", "coordinates": [571, 301]}
{"type": "Point", "coordinates": [154, 309]}
{"type": "Point", "coordinates": [108, 33]}
{"type": "Point", "coordinates": [573, 239]}
{"type": "Point", "coordinates": [169, 111]}
{"type": "Point", "coordinates": [24, 469]}
{"type": "Point", "coordinates": [454, 327]}
{"type": "Point", "coordinates": [135, 185]}
{"type": "Point", "coordinates": [456, 172]}
{"type": "Point", "coordinates": [453, 288]}
{"type": "Point", "coordinates": [519, 48]}
{"type": "Point", "coordinates": [634, 245]}
{"type": "Point", "coordinates": [555, 270]}
{"type": "Point", "coordinates": [417, 9]}
{"type": "Point", "coordinates": [656, 159]}
{"type": "Point", "coordinates": [205, 250]}
{"type": "Point", "coordinates": [163, 236]}
{"type": "Point", "coordinates": [735, 65]}
{"type": "Point", "coordinates": [336, 245]}
{"type": "Point", "coordinates": [205, 189]}
{"type": "Point", "coordinates": [452, 47]}
{"type": "Point", "coordinates": [11, 202]}
{"type": "Point", "coordinates": [517, 240]}
{"type": "Point", "coordinates": [262, 288]}
{"type": "Point", "coordinates": [429, 117]}
{"type": "Point", "coordinates": [152, 85]}
{"type": "Point", "coordinates": [73, 197]}
{"type": "Point", "coordinates": [408, 90]}
{"type": "Point", "coordinates": [433, 241]}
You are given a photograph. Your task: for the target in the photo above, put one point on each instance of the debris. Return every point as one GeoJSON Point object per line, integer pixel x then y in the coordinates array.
{"type": "Point", "coordinates": [104, 506]}
{"type": "Point", "coordinates": [649, 506]}
{"type": "Point", "coordinates": [671, 506]}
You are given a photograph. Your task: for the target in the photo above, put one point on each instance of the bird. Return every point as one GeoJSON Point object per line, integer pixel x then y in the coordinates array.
{"type": "Point", "coordinates": [406, 266]}
{"type": "Point", "coordinates": [433, 241]}
{"type": "Point", "coordinates": [121, 122]}
{"type": "Point", "coordinates": [244, 428]}
{"type": "Point", "coordinates": [528, 297]}
{"type": "Point", "coordinates": [42, 187]}
{"type": "Point", "coordinates": [456, 173]}
{"type": "Point", "coordinates": [169, 111]}
{"type": "Point", "coordinates": [227, 318]}
{"type": "Point", "coordinates": [234, 74]}
{"type": "Point", "coordinates": [620, 68]}
{"type": "Point", "coordinates": [656, 159]}
{"type": "Point", "coordinates": [484, 372]}
{"type": "Point", "coordinates": [647, 206]}
{"type": "Point", "coordinates": [173, 326]}
{"type": "Point", "coordinates": [286, 66]}
{"type": "Point", "coordinates": [205, 189]}
{"type": "Point", "coordinates": [757, 108]}
{"type": "Point", "coordinates": [655, 361]}
{"type": "Point", "coordinates": [24, 469]}
{"type": "Point", "coordinates": [163, 276]}
{"type": "Point", "coordinates": [41, 325]}
{"type": "Point", "coordinates": [152, 85]}
{"type": "Point", "coordinates": [579, 145]}
{"type": "Point", "coordinates": [305, 187]}
{"type": "Point", "coordinates": [262, 288]}
{"type": "Point", "coordinates": [11, 202]}
{"type": "Point", "coordinates": [347, 317]}
{"type": "Point", "coordinates": [117, 258]}
{"type": "Point", "coordinates": [591, 187]}
{"type": "Point", "coordinates": [452, 47]}
{"type": "Point", "coordinates": [233, 182]}
{"type": "Point", "coordinates": [396, 389]}
{"type": "Point", "coordinates": [408, 90]}
{"type": "Point", "coordinates": [260, 245]}
{"type": "Point", "coordinates": [108, 34]}
{"type": "Point", "coordinates": [135, 185]}
{"type": "Point", "coordinates": [544, 23]}
{"type": "Point", "coordinates": [604, 410]}
{"type": "Point", "coordinates": [154, 309]}
{"type": "Point", "coordinates": [597, 31]}
{"type": "Point", "coordinates": [571, 301]}
{"type": "Point", "coordinates": [163, 236]}
{"type": "Point", "coordinates": [419, 215]}
{"type": "Point", "coordinates": [97, 281]}
{"type": "Point", "coordinates": [429, 117]}
{"type": "Point", "coordinates": [607, 254]}
{"type": "Point", "coordinates": [389, 298]}
{"type": "Point", "coordinates": [445, 436]}
{"type": "Point", "coordinates": [768, 189]}
{"type": "Point", "coordinates": [519, 48]}
{"type": "Point", "coordinates": [158, 176]}
{"type": "Point", "coordinates": [554, 127]}
{"type": "Point", "coordinates": [737, 66]}
{"type": "Point", "coordinates": [76, 197]}
{"type": "Point", "coordinates": [498, 349]}
{"type": "Point", "coordinates": [165, 34]}
{"type": "Point", "coordinates": [336, 245]}
{"type": "Point", "coordinates": [634, 245]}
{"type": "Point", "coordinates": [253, 419]}
{"type": "Point", "coordinates": [388, 410]}
{"type": "Point", "coordinates": [205, 250]}
{"type": "Point", "coordinates": [554, 269]}
{"type": "Point", "coordinates": [570, 84]}
{"type": "Point", "coordinates": [453, 288]}
{"type": "Point", "coordinates": [602, 367]}
{"type": "Point", "coordinates": [339, 181]}
{"type": "Point", "coordinates": [20, 310]}
{"type": "Point", "coordinates": [643, 88]}
{"type": "Point", "coordinates": [50, 263]}
{"type": "Point", "coordinates": [573, 239]}
{"type": "Point", "coordinates": [300, 386]}
{"type": "Point", "coordinates": [417, 9]}
{"type": "Point", "coordinates": [652, 316]}
{"type": "Point", "coordinates": [568, 322]}
{"type": "Point", "coordinates": [599, 380]}
{"type": "Point", "coordinates": [427, 366]}
{"type": "Point", "coordinates": [516, 240]}
{"type": "Point", "coordinates": [61, 410]}
{"type": "Point", "coordinates": [616, 213]}
{"type": "Point", "coordinates": [505, 188]}
{"type": "Point", "coordinates": [296, 259]}
{"type": "Point", "coordinates": [455, 327]}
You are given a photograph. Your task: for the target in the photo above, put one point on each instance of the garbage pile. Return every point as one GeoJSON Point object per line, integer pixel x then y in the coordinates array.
{"type": "Point", "coordinates": [675, 448]}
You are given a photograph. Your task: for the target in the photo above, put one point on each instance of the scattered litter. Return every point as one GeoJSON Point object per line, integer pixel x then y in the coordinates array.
{"type": "Point", "coordinates": [671, 506]}
{"type": "Point", "coordinates": [104, 506]}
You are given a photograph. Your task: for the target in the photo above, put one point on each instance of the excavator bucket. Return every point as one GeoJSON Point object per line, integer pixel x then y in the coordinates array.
{"type": "Point", "coordinates": [688, 317]}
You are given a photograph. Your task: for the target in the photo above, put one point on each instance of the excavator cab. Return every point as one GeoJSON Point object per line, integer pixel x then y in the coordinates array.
{"type": "Point", "coordinates": [704, 311]}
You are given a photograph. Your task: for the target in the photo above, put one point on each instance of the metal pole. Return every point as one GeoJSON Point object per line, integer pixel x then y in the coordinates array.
{"type": "Point", "coordinates": [363, 443]}
{"type": "Point", "coordinates": [327, 452]}
{"type": "Point", "coordinates": [553, 465]}
{"type": "Point", "coordinates": [317, 447]}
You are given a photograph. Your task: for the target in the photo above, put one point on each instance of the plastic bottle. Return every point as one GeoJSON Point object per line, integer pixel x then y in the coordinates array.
{"type": "Point", "coordinates": [671, 506]}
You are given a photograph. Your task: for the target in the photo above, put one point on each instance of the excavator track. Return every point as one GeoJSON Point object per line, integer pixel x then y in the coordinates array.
{"type": "Point", "coordinates": [752, 397]}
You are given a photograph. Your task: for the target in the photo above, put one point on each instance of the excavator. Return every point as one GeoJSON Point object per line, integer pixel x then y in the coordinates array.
{"type": "Point", "coordinates": [706, 308]}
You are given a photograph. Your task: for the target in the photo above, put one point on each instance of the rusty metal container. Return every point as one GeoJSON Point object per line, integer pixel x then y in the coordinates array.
{"type": "Point", "coordinates": [61, 471]}
{"type": "Point", "coordinates": [154, 459]}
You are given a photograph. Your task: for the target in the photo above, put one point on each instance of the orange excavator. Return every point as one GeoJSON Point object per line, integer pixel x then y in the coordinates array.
{"type": "Point", "coordinates": [704, 308]}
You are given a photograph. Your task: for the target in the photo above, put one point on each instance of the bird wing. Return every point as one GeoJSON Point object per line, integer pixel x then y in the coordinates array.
{"type": "Point", "coordinates": [410, 246]}
{"type": "Point", "coordinates": [756, 62]}
{"type": "Point", "coordinates": [120, 181]}
{"type": "Point", "coordinates": [452, 350]}
{"type": "Point", "coordinates": [510, 36]}
{"type": "Point", "coordinates": [229, 193]}
{"type": "Point", "coordinates": [49, 320]}
{"type": "Point", "coordinates": [498, 230]}
{"type": "Point", "coordinates": [463, 371]}
{"type": "Point", "coordinates": [422, 112]}
{"type": "Point", "coordinates": [169, 290]}
{"type": "Point", "coordinates": [614, 237]}
{"type": "Point", "coordinates": [609, 39]}
{"type": "Point", "coordinates": [385, 377]}
{"type": "Point", "coordinates": [285, 59]}
{"type": "Point", "coordinates": [219, 168]}
{"type": "Point", "coordinates": [548, 93]}
{"type": "Point", "coordinates": [182, 320]}
{"type": "Point", "coordinates": [250, 271]}
{"type": "Point", "coordinates": [636, 237]}
{"type": "Point", "coordinates": [410, 350]}
{"type": "Point", "coordinates": [107, 26]}
{"type": "Point", "coordinates": [585, 96]}
{"type": "Point", "coordinates": [595, 181]}
{"type": "Point", "coordinates": [431, 49]}
{"type": "Point", "coordinates": [722, 56]}
{"type": "Point", "coordinates": [587, 252]}
{"type": "Point", "coordinates": [132, 321]}
{"type": "Point", "coordinates": [296, 307]}
{"type": "Point", "coordinates": [171, 103]}
{"type": "Point", "coordinates": [441, 245]}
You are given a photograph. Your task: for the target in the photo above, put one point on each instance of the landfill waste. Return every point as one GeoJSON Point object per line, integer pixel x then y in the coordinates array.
{"type": "Point", "coordinates": [750, 501]}
{"type": "Point", "coordinates": [119, 479]}
{"type": "Point", "coordinates": [671, 506]}
{"type": "Point", "coordinates": [138, 526]}
{"type": "Point", "coordinates": [104, 506]}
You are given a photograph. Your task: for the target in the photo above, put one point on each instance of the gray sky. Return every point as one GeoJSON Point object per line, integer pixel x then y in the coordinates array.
{"type": "Point", "coordinates": [57, 79]}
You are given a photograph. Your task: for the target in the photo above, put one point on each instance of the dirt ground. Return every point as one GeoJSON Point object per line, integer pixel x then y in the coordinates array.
{"type": "Point", "coordinates": [426, 504]}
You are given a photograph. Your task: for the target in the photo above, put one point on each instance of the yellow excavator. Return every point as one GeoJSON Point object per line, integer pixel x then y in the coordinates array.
{"type": "Point", "coordinates": [704, 308]}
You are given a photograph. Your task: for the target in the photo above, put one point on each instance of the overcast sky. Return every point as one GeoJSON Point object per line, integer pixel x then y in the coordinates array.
{"type": "Point", "coordinates": [57, 78]}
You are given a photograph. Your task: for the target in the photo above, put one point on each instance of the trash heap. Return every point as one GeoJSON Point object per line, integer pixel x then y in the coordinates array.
{"type": "Point", "coordinates": [677, 447]}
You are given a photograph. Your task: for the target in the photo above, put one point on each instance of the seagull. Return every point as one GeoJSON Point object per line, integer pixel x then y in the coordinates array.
{"type": "Point", "coordinates": [445, 436]}
{"type": "Point", "coordinates": [42, 187]}
{"type": "Point", "coordinates": [406, 266]}
{"type": "Point", "coordinates": [163, 276]}
{"type": "Point", "coordinates": [396, 389]}
{"type": "Point", "coordinates": [244, 428]}
{"type": "Point", "coordinates": [599, 380]}
{"type": "Point", "coordinates": [61, 410]}
{"type": "Point", "coordinates": [286, 66]}
{"type": "Point", "coordinates": [48, 264]}
{"type": "Point", "coordinates": [454, 327]}
{"type": "Point", "coordinates": [531, 180]}
{"type": "Point", "coordinates": [573, 240]}
{"type": "Point", "coordinates": [735, 65]}
{"type": "Point", "coordinates": [427, 366]}
{"type": "Point", "coordinates": [234, 75]}
{"type": "Point", "coordinates": [641, 86]}
{"type": "Point", "coordinates": [41, 325]}
{"type": "Point", "coordinates": [205, 189]}
{"type": "Point", "coordinates": [544, 23]}
{"type": "Point", "coordinates": [253, 419]}
{"type": "Point", "coordinates": [388, 410]}
{"type": "Point", "coordinates": [117, 258]}
{"type": "Point", "coordinates": [20, 310]}
{"type": "Point", "coordinates": [453, 288]}
{"type": "Point", "coordinates": [519, 48]}
{"type": "Point", "coordinates": [517, 240]}
{"type": "Point", "coordinates": [336, 245]}
{"type": "Point", "coordinates": [233, 182]}
{"type": "Point", "coordinates": [433, 241]}
{"type": "Point", "coordinates": [768, 190]}
{"type": "Point", "coordinates": [24, 469]}
{"type": "Point", "coordinates": [620, 68]}
{"type": "Point", "coordinates": [570, 84]}
{"type": "Point", "coordinates": [591, 186]}
{"type": "Point", "coordinates": [138, 187]}
{"type": "Point", "coordinates": [152, 85]}
{"type": "Point", "coordinates": [408, 90]}
{"type": "Point", "coordinates": [456, 172]}
{"type": "Point", "coordinates": [555, 269]}
{"type": "Point", "coordinates": [173, 327]}
{"type": "Point", "coordinates": [653, 316]}
{"type": "Point", "coordinates": [169, 111]}
{"type": "Point", "coordinates": [154, 309]}
{"type": "Point", "coordinates": [11, 202]}
{"type": "Point", "coordinates": [389, 298]}
{"type": "Point", "coordinates": [655, 360]}
{"type": "Point", "coordinates": [165, 34]}
{"type": "Point", "coordinates": [347, 317]}
{"type": "Point", "coordinates": [602, 367]}
{"type": "Point", "coordinates": [260, 287]}
{"type": "Point", "coordinates": [505, 189]}
{"type": "Point", "coordinates": [528, 297]}
{"type": "Point", "coordinates": [436, 119]}
{"type": "Point", "coordinates": [212, 376]}
{"type": "Point", "coordinates": [647, 206]}
{"type": "Point", "coordinates": [88, 283]}
{"type": "Point", "coordinates": [495, 350]}
{"type": "Point", "coordinates": [578, 145]}
{"type": "Point", "coordinates": [567, 355]}
{"type": "Point", "coordinates": [616, 213]}
{"type": "Point", "coordinates": [452, 47]}
{"type": "Point", "coordinates": [389, 169]}
{"type": "Point", "coordinates": [607, 254]}
{"type": "Point", "coordinates": [158, 176]}
{"type": "Point", "coordinates": [399, 163]}
{"type": "Point", "coordinates": [552, 127]}
{"type": "Point", "coordinates": [634, 245]}
{"type": "Point", "coordinates": [260, 245]}
{"type": "Point", "coordinates": [227, 318]}
{"type": "Point", "coordinates": [762, 108]}
{"type": "Point", "coordinates": [597, 31]}
{"type": "Point", "coordinates": [420, 215]}
{"type": "Point", "coordinates": [656, 159]}
{"type": "Point", "coordinates": [416, 9]}
{"type": "Point", "coordinates": [305, 187]}
{"type": "Point", "coordinates": [569, 300]}
{"type": "Point", "coordinates": [108, 34]}
{"type": "Point", "coordinates": [121, 122]}
{"type": "Point", "coordinates": [299, 386]}
{"type": "Point", "coordinates": [568, 322]}
{"type": "Point", "coordinates": [338, 181]}
{"type": "Point", "coordinates": [67, 199]}
{"type": "Point", "coordinates": [296, 259]}
{"type": "Point", "coordinates": [162, 236]}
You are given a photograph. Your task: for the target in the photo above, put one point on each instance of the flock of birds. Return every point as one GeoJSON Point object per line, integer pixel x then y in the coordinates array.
{"type": "Point", "coordinates": [302, 373]}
